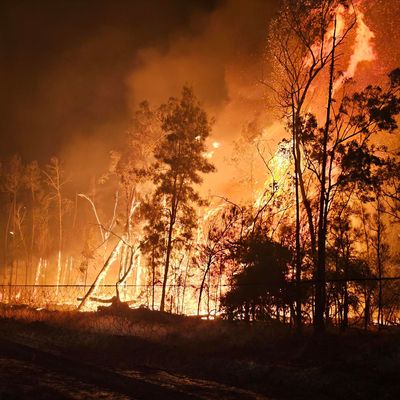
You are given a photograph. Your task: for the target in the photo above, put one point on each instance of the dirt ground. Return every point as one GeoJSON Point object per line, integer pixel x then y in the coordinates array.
{"type": "Point", "coordinates": [33, 366]}
{"type": "Point", "coordinates": [149, 356]}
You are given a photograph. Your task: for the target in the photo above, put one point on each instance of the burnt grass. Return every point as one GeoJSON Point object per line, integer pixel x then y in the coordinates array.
{"type": "Point", "coordinates": [264, 358]}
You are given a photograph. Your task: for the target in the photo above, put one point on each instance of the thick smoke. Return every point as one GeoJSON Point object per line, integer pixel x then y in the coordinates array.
{"type": "Point", "coordinates": [219, 52]}
{"type": "Point", "coordinates": [222, 58]}
{"type": "Point", "coordinates": [74, 73]}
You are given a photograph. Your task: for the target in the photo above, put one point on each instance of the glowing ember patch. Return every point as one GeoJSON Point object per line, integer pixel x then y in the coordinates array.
{"type": "Point", "coordinates": [216, 145]}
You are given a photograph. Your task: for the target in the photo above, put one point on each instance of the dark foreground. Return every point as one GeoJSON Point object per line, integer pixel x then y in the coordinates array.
{"type": "Point", "coordinates": [146, 355]}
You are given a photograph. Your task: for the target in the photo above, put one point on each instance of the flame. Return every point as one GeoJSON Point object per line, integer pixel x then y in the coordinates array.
{"type": "Point", "coordinates": [216, 145]}
{"type": "Point", "coordinates": [278, 165]}
{"type": "Point", "coordinates": [208, 154]}
{"type": "Point", "coordinates": [363, 49]}
{"type": "Point", "coordinates": [363, 46]}
{"type": "Point", "coordinates": [316, 48]}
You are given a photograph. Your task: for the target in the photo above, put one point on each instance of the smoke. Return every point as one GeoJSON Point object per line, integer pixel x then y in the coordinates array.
{"type": "Point", "coordinates": [221, 54]}
{"type": "Point", "coordinates": [86, 91]}
{"type": "Point", "coordinates": [74, 73]}
{"type": "Point", "coordinates": [222, 57]}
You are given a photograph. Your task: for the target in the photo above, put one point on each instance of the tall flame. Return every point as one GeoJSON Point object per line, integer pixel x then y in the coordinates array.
{"type": "Point", "coordinates": [363, 48]}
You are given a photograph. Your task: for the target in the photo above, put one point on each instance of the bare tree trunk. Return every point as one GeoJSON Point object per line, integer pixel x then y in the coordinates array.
{"type": "Point", "coordinates": [367, 292]}
{"type": "Point", "coordinates": [219, 286]}
{"type": "Point", "coordinates": [7, 266]}
{"type": "Point", "coordinates": [209, 262]}
{"type": "Point", "coordinates": [320, 293]}
{"type": "Point", "coordinates": [37, 277]}
{"type": "Point", "coordinates": [113, 256]}
{"type": "Point", "coordinates": [153, 279]}
{"type": "Point", "coordinates": [208, 293]}
{"type": "Point", "coordinates": [12, 233]}
{"type": "Point", "coordinates": [298, 243]}
{"type": "Point", "coordinates": [184, 284]}
{"type": "Point", "coordinates": [33, 232]}
{"type": "Point", "coordinates": [127, 272]}
{"type": "Point", "coordinates": [60, 236]}
{"type": "Point", "coordinates": [367, 296]}
{"type": "Point", "coordinates": [379, 262]}
{"type": "Point", "coordinates": [167, 262]}
{"type": "Point", "coordinates": [345, 322]}
{"type": "Point", "coordinates": [19, 218]}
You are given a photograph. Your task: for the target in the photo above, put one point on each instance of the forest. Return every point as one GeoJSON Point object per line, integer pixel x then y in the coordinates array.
{"type": "Point", "coordinates": [316, 245]}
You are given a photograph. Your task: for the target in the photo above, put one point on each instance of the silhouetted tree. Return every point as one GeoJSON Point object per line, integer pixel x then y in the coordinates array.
{"type": "Point", "coordinates": [304, 40]}
{"type": "Point", "coordinates": [261, 287]}
{"type": "Point", "coordinates": [55, 178]}
{"type": "Point", "coordinates": [180, 159]}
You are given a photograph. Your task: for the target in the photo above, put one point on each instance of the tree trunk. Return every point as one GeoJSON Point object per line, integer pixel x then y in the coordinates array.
{"type": "Point", "coordinates": [298, 243]}
{"type": "Point", "coordinates": [185, 283]}
{"type": "Point", "coordinates": [113, 256]}
{"type": "Point", "coordinates": [379, 262]}
{"type": "Point", "coordinates": [167, 262]}
{"type": "Point", "coordinates": [59, 256]}
{"type": "Point", "coordinates": [345, 322]}
{"type": "Point", "coordinates": [320, 293]}
{"type": "Point", "coordinates": [203, 283]}
{"type": "Point", "coordinates": [367, 296]}
{"type": "Point", "coordinates": [127, 270]}
{"type": "Point", "coordinates": [153, 279]}
{"type": "Point", "coordinates": [33, 233]}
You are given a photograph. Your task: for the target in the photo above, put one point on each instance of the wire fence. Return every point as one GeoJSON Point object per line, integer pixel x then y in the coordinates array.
{"type": "Point", "coordinates": [181, 299]}
{"type": "Point", "coordinates": [361, 293]}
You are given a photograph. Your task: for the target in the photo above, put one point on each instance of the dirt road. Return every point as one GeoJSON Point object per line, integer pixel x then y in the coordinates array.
{"type": "Point", "coordinates": [28, 372]}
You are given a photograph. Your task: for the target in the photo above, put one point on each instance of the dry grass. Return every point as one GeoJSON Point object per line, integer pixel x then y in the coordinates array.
{"type": "Point", "coordinates": [150, 325]}
{"type": "Point", "coordinates": [260, 357]}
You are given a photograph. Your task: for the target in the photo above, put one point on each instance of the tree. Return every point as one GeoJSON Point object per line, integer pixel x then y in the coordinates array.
{"type": "Point", "coordinates": [219, 229]}
{"type": "Point", "coordinates": [304, 40]}
{"type": "Point", "coordinates": [342, 158]}
{"type": "Point", "coordinates": [127, 166]}
{"type": "Point", "coordinates": [180, 159]}
{"type": "Point", "coordinates": [326, 146]}
{"type": "Point", "coordinates": [260, 288]}
{"type": "Point", "coordinates": [55, 179]}
{"type": "Point", "coordinates": [33, 182]}
{"type": "Point", "coordinates": [11, 185]}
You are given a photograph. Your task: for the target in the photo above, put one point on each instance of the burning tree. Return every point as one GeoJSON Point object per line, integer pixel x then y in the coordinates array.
{"type": "Point", "coordinates": [56, 180]}
{"type": "Point", "coordinates": [180, 159]}
{"type": "Point", "coordinates": [128, 166]}
{"type": "Point", "coordinates": [305, 39]}
{"type": "Point", "coordinates": [146, 215]}
{"type": "Point", "coordinates": [260, 287]}
{"type": "Point", "coordinates": [11, 186]}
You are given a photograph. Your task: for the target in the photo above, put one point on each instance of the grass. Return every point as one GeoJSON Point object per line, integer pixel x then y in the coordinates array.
{"type": "Point", "coordinates": [262, 357]}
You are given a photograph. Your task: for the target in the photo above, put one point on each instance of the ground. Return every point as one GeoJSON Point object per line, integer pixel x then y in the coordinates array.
{"type": "Point", "coordinates": [146, 355]}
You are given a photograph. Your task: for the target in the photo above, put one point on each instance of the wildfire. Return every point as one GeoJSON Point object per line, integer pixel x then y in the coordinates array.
{"type": "Point", "coordinates": [126, 270]}
{"type": "Point", "coordinates": [363, 48]}
{"type": "Point", "coordinates": [278, 166]}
